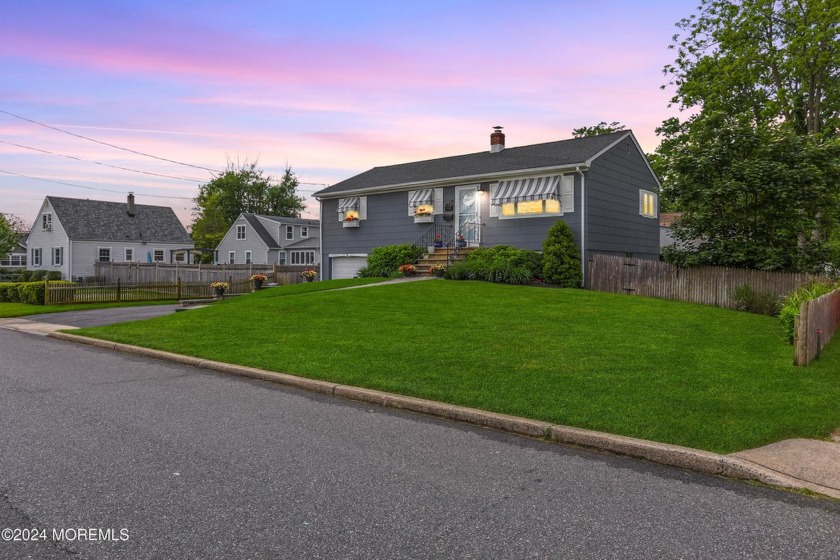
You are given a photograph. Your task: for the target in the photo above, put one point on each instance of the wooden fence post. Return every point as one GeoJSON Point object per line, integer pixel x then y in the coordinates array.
{"type": "Point", "coordinates": [46, 292]}
{"type": "Point", "coordinates": [118, 289]}
{"type": "Point", "coordinates": [178, 289]}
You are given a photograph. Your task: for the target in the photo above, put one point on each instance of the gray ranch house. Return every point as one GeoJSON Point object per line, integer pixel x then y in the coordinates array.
{"type": "Point", "coordinates": [71, 234]}
{"type": "Point", "coordinates": [603, 187]}
{"type": "Point", "coordinates": [260, 239]}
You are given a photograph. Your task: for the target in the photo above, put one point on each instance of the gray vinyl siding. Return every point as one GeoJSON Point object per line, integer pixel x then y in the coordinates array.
{"type": "Point", "coordinates": [252, 242]}
{"type": "Point", "coordinates": [46, 240]}
{"type": "Point", "coordinates": [387, 223]}
{"type": "Point", "coordinates": [614, 225]}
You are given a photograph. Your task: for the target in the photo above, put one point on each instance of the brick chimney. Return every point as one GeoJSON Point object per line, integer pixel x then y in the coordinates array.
{"type": "Point", "coordinates": [497, 140]}
{"type": "Point", "coordinates": [129, 206]}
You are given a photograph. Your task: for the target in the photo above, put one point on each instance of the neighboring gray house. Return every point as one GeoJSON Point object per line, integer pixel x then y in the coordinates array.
{"type": "Point", "coordinates": [602, 186]}
{"type": "Point", "coordinates": [666, 228]}
{"type": "Point", "coordinates": [17, 258]}
{"type": "Point", "coordinates": [259, 239]}
{"type": "Point", "coordinates": [71, 234]}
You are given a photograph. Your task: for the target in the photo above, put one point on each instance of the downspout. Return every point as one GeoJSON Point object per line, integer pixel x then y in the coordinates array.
{"type": "Point", "coordinates": [69, 258]}
{"type": "Point", "coordinates": [322, 262]}
{"type": "Point", "coordinates": [582, 223]}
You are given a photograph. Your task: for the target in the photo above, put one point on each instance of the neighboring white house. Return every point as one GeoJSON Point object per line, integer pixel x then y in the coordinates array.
{"type": "Point", "coordinates": [259, 239]}
{"type": "Point", "coordinates": [71, 234]}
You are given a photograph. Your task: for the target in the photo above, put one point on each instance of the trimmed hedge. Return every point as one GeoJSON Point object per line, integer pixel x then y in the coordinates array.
{"type": "Point", "coordinates": [24, 292]}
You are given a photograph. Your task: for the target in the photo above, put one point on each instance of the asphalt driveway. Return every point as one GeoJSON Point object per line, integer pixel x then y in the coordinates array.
{"type": "Point", "coordinates": [102, 317]}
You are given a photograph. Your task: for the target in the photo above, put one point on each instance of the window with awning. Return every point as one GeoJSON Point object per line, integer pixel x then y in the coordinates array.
{"type": "Point", "coordinates": [345, 204]}
{"type": "Point", "coordinates": [421, 201]}
{"type": "Point", "coordinates": [352, 209]}
{"type": "Point", "coordinates": [533, 196]}
{"type": "Point", "coordinates": [522, 190]}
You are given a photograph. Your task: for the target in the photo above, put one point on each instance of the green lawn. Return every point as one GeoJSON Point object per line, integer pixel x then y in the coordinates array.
{"type": "Point", "coordinates": [8, 310]}
{"type": "Point", "coordinates": [672, 372]}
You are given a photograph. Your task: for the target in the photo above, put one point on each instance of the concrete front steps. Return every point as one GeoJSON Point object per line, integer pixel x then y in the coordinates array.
{"type": "Point", "coordinates": [439, 257]}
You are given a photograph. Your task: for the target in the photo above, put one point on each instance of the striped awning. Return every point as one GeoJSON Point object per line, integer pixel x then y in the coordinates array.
{"type": "Point", "coordinates": [421, 197]}
{"type": "Point", "coordinates": [345, 204]}
{"type": "Point", "coordinates": [534, 188]}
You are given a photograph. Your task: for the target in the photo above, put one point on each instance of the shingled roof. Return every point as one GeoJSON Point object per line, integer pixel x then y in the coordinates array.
{"type": "Point", "coordinates": [98, 220]}
{"type": "Point", "coordinates": [536, 156]}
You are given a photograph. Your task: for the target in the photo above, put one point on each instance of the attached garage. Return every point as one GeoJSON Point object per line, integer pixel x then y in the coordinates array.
{"type": "Point", "coordinates": [346, 266]}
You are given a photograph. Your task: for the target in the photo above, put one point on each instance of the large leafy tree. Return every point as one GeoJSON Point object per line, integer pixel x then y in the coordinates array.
{"type": "Point", "coordinates": [753, 196]}
{"type": "Point", "coordinates": [754, 166]}
{"type": "Point", "coordinates": [601, 128]}
{"type": "Point", "coordinates": [777, 60]}
{"type": "Point", "coordinates": [241, 188]}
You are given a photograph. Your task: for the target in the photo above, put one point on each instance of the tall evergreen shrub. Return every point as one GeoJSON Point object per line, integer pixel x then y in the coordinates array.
{"type": "Point", "coordinates": [561, 257]}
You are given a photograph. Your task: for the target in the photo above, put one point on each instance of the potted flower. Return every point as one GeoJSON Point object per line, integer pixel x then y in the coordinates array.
{"type": "Point", "coordinates": [437, 270]}
{"type": "Point", "coordinates": [219, 288]}
{"type": "Point", "coordinates": [309, 275]}
{"type": "Point", "coordinates": [258, 280]}
{"type": "Point", "coordinates": [461, 241]}
{"type": "Point", "coordinates": [438, 240]}
{"type": "Point", "coordinates": [407, 269]}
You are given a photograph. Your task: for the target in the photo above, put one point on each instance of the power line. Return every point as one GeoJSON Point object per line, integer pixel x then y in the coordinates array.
{"type": "Point", "coordinates": [91, 188]}
{"type": "Point", "coordinates": [109, 145]}
{"type": "Point", "coordinates": [190, 179]}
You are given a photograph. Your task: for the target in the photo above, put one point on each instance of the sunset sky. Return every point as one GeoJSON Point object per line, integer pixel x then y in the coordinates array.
{"type": "Point", "coordinates": [329, 88]}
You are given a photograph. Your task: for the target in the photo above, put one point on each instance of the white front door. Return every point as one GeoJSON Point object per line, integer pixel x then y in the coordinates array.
{"type": "Point", "coordinates": [466, 210]}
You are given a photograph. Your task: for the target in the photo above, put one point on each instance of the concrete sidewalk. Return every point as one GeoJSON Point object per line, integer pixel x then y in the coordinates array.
{"type": "Point", "coordinates": [795, 463]}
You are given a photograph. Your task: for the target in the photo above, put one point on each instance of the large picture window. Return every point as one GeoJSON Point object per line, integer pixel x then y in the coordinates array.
{"type": "Point", "coordinates": [533, 196]}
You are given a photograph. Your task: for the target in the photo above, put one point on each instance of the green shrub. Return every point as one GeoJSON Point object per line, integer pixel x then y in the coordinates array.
{"type": "Point", "coordinates": [24, 276]}
{"type": "Point", "coordinates": [457, 271]}
{"type": "Point", "coordinates": [53, 275]}
{"type": "Point", "coordinates": [745, 298]}
{"type": "Point", "coordinates": [385, 261]}
{"type": "Point", "coordinates": [36, 275]}
{"type": "Point", "coordinates": [501, 263]}
{"type": "Point", "coordinates": [9, 292]}
{"type": "Point", "coordinates": [31, 292]}
{"type": "Point", "coordinates": [794, 301]}
{"type": "Point", "coordinates": [561, 257]}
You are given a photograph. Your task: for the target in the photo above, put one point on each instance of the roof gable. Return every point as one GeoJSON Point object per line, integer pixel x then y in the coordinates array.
{"type": "Point", "coordinates": [575, 151]}
{"type": "Point", "coordinates": [100, 220]}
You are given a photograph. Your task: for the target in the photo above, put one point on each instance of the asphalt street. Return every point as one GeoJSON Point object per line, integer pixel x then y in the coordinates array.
{"type": "Point", "coordinates": [107, 316]}
{"type": "Point", "coordinates": [158, 460]}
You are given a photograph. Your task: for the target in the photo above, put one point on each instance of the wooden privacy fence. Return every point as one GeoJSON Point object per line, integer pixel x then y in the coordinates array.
{"type": "Point", "coordinates": [710, 285]}
{"type": "Point", "coordinates": [817, 322]}
{"type": "Point", "coordinates": [119, 291]}
{"type": "Point", "coordinates": [160, 273]}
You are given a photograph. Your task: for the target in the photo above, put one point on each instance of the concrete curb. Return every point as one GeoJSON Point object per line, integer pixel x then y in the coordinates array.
{"type": "Point", "coordinates": [673, 455]}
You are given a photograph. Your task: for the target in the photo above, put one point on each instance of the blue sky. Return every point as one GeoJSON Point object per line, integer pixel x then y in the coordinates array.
{"type": "Point", "coordinates": [329, 88]}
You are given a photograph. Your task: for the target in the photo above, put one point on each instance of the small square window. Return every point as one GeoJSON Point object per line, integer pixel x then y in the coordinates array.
{"type": "Point", "coordinates": [158, 257]}
{"type": "Point", "coordinates": [104, 254]}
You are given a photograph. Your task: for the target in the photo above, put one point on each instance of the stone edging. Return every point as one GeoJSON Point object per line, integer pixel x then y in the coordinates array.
{"type": "Point", "coordinates": [674, 455]}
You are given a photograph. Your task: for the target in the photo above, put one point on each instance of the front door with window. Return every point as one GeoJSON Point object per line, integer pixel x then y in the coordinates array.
{"type": "Point", "coordinates": [467, 210]}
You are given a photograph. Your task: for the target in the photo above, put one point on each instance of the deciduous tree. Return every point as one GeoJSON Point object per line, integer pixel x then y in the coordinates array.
{"type": "Point", "coordinates": [241, 188]}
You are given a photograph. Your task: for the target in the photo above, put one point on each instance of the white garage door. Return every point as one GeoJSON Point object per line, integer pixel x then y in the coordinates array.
{"type": "Point", "coordinates": [346, 267]}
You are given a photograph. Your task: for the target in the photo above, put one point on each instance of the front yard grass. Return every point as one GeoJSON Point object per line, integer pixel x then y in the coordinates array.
{"type": "Point", "coordinates": [666, 371]}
